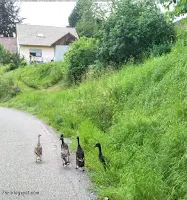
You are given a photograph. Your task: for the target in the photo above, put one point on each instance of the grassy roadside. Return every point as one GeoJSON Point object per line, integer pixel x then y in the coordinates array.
{"type": "Point", "coordinates": [139, 117]}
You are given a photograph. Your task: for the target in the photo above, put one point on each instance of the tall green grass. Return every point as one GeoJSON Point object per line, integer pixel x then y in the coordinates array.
{"type": "Point", "coordinates": [41, 75]}
{"type": "Point", "coordinates": [139, 115]}
{"type": "Point", "coordinates": [8, 89]}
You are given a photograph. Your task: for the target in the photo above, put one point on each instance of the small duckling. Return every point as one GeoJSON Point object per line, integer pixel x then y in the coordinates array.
{"type": "Point", "coordinates": [64, 152]}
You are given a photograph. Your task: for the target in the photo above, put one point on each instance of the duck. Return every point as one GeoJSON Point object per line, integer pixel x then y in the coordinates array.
{"type": "Point", "coordinates": [38, 150]}
{"type": "Point", "coordinates": [79, 155]}
{"type": "Point", "coordinates": [64, 152]}
{"type": "Point", "coordinates": [101, 157]}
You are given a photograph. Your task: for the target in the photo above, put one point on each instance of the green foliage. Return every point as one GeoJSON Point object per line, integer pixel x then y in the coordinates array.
{"type": "Point", "coordinates": [139, 116]}
{"type": "Point", "coordinates": [74, 17]}
{"type": "Point", "coordinates": [88, 27]}
{"type": "Point", "coordinates": [180, 6]}
{"type": "Point", "coordinates": [158, 50]}
{"type": "Point", "coordinates": [97, 70]}
{"type": "Point", "coordinates": [13, 60]}
{"type": "Point", "coordinates": [41, 75]}
{"type": "Point", "coordinates": [181, 27]}
{"type": "Point", "coordinates": [9, 17]}
{"type": "Point", "coordinates": [133, 29]}
{"type": "Point", "coordinates": [79, 57]}
{"type": "Point", "coordinates": [87, 16]}
{"type": "Point", "coordinates": [7, 89]}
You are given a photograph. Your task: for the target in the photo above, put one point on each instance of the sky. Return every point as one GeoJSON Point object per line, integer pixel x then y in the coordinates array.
{"type": "Point", "coordinates": [49, 13]}
{"type": "Point", "coordinates": [46, 13]}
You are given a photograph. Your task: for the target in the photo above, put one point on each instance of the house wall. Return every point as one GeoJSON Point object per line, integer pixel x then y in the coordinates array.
{"type": "Point", "coordinates": [47, 53]}
{"type": "Point", "coordinates": [66, 40]}
{"type": "Point", "coordinates": [60, 50]}
{"type": "Point", "coordinates": [18, 46]}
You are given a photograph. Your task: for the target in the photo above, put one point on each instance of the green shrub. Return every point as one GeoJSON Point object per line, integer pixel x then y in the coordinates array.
{"type": "Point", "coordinates": [158, 50]}
{"type": "Point", "coordinates": [13, 60]}
{"type": "Point", "coordinates": [79, 57]}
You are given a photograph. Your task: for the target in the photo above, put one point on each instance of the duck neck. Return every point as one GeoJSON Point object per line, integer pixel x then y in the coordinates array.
{"type": "Point", "coordinates": [38, 140]}
{"type": "Point", "coordinates": [78, 141]}
{"type": "Point", "coordinates": [62, 140]}
{"type": "Point", "coordinates": [100, 151]}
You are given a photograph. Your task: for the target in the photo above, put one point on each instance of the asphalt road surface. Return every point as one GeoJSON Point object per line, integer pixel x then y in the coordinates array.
{"type": "Point", "coordinates": [21, 177]}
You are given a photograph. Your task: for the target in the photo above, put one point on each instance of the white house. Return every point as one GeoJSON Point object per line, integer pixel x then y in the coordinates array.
{"type": "Point", "coordinates": [44, 43]}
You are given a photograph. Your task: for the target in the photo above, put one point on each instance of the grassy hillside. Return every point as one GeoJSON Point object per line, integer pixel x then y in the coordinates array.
{"type": "Point", "coordinates": [139, 115]}
{"type": "Point", "coordinates": [41, 76]}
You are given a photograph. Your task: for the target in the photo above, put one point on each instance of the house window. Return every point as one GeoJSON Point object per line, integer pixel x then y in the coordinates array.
{"type": "Point", "coordinates": [40, 35]}
{"type": "Point", "coordinates": [36, 52]}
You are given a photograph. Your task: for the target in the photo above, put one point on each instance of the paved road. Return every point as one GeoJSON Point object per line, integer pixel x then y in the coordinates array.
{"type": "Point", "coordinates": [21, 177]}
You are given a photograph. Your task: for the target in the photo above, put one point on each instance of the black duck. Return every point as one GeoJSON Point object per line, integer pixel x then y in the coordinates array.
{"type": "Point", "coordinates": [79, 156]}
{"type": "Point", "coordinates": [101, 157]}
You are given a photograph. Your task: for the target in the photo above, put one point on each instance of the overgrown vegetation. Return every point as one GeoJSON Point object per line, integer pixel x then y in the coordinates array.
{"type": "Point", "coordinates": [126, 31]}
{"type": "Point", "coordinates": [7, 89]}
{"type": "Point", "coordinates": [139, 117]}
{"type": "Point", "coordinates": [79, 57]}
{"type": "Point", "coordinates": [41, 75]}
{"type": "Point", "coordinates": [11, 60]}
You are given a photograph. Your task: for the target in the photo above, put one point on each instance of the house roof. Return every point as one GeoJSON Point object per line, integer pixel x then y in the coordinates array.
{"type": "Point", "coordinates": [37, 35]}
{"type": "Point", "coordinates": [9, 43]}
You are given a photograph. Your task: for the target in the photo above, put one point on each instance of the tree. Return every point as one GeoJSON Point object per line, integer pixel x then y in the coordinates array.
{"type": "Point", "coordinates": [87, 25]}
{"type": "Point", "coordinates": [74, 17]}
{"type": "Point", "coordinates": [87, 17]}
{"type": "Point", "coordinates": [132, 29]}
{"type": "Point", "coordinates": [180, 6]}
{"type": "Point", "coordinates": [9, 17]}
